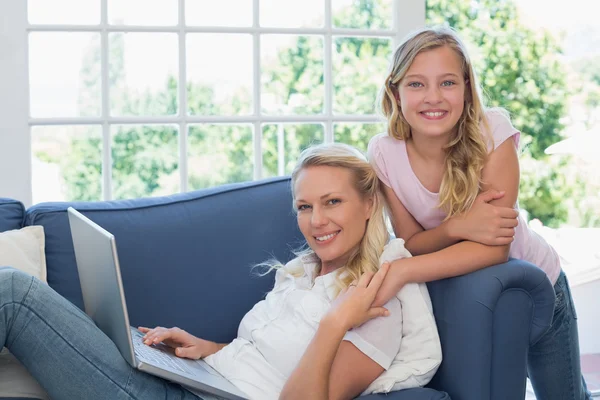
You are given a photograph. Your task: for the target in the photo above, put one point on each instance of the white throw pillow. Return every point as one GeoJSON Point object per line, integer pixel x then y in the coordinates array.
{"type": "Point", "coordinates": [22, 249]}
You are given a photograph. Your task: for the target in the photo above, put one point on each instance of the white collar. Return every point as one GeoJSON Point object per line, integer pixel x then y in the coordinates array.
{"type": "Point", "coordinates": [310, 263]}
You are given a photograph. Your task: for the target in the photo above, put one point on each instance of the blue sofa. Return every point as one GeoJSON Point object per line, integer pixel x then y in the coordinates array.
{"type": "Point", "coordinates": [186, 261]}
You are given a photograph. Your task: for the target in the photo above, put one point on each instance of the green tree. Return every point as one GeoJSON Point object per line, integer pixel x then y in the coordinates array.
{"type": "Point", "coordinates": [588, 71]}
{"type": "Point", "coordinates": [145, 158]}
{"type": "Point", "coordinates": [520, 70]}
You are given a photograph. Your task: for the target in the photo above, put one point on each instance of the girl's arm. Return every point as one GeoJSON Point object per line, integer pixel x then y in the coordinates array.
{"type": "Point", "coordinates": [500, 171]}
{"type": "Point", "coordinates": [416, 239]}
{"type": "Point", "coordinates": [330, 367]}
{"type": "Point", "coordinates": [483, 223]}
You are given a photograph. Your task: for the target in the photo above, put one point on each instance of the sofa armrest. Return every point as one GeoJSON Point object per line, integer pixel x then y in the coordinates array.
{"type": "Point", "coordinates": [486, 321]}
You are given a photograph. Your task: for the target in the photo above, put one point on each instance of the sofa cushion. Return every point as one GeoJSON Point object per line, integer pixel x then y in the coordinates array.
{"type": "Point", "coordinates": [173, 248]}
{"type": "Point", "coordinates": [11, 214]}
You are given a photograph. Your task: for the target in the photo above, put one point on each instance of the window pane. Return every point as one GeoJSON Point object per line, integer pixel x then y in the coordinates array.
{"type": "Point", "coordinates": [143, 12]}
{"type": "Point", "coordinates": [145, 160]}
{"type": "Point", "coordinates": [64, 74]}
{"type": "Point", "coordinates": [292, 74]}
{"type": "Point", "coordinates": [365, 14]}
{"type": "Point", "coordinates": [292, 13]}
{"type": "Point", "coordinates": [218, 13]}
{"type": "Point", "coordinates": [282, 144]}
{"type": "Point", "coordinates": [143, 73]}
{"type": "Point", "coordinates": [359, 68]}
{"type": "Point", "coordinates": [81, 12]}
{"type": "Point", "coordinates": [219, 154]}
{"type": "Point", "coordinates": [66, 163]}
{"type": "Point", "coordinates": [357, 134]}
{"type": "Point", "coordinates": [219, 82]}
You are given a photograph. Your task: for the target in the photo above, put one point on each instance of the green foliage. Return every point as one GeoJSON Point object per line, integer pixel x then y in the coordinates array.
{"type": "Point", "coordinates": [538, 190]}
{"type": "Point", "coordinates": [82, 169]}
{"type": "Point", "coordinates": [141, 156]}
{"type": "Point", "coordinates": [295, 139]}
{"type": "Point", "coordinates": [590, 69]}
{"type": "Point", "coordinates": [520, 70]}
{"type": "Point", "coordinates": [365, 14]}
{"type": "Point", "coordinates": [588, 86]}
{"type": "Point", "coordinates": [295, 80]}
{"type": "Point", "coordinates": [357, 135]}
{"type": "Point", "coordinates": [359, 69]}
{"type": "Point", "coordinates": [219, 154]}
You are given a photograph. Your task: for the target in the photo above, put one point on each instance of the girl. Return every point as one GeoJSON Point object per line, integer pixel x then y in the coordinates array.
{"type": "Point", "coordinates": [451, 176]}
{"type": "Point", "coordinates": [294, 344]}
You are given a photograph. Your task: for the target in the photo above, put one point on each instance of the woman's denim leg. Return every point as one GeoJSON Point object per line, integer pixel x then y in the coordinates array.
{"type": "Point", "coordinates": [64, 350]}
{"type": "Point", "coordinates": [554, 366]}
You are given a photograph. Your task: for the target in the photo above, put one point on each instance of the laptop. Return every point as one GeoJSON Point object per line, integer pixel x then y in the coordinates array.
{"type": "Point", "coordinates": [104, 301]}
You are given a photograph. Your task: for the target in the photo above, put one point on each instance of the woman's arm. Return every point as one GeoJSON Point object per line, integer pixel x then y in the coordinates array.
{"type": "Point", "coordinates": [500, 171]}
{"type": "Point", "coordinates": [330, 367]}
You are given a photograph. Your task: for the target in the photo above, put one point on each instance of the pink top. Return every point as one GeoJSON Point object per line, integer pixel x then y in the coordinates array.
{"type": "Point", "coordinates": [390, 160]}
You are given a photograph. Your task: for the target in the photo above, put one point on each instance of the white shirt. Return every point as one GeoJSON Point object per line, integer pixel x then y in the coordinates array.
{"type": "Point", "coordinates": [273, 336]}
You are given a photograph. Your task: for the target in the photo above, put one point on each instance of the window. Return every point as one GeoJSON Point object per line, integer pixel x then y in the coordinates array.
{"type": "Point", "coordinates": [189, 94]}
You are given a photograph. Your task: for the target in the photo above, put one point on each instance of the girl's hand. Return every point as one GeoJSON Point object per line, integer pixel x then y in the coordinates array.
{"type": "Point", "coordinates": [353, 306]}
{"type": "Point", "coordinates": [185, 344]}
{"type": "Point", "coordinates": [486, 223]}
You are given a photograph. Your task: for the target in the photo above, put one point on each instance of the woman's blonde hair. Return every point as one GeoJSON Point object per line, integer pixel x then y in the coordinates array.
{"type": "Point", "coordinates": [466, 152]}
{"type": "Point", "coordinates": [365, 181]}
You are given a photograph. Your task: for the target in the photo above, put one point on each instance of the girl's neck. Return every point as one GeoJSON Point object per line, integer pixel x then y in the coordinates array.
{"type": "Point", "coordinates": [428, 148]}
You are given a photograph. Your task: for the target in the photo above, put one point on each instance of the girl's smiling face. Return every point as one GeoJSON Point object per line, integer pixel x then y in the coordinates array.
{"type": "Point", "coordinates": [432, 93]}
{"type": "Point", "coordinates": [332, 214]}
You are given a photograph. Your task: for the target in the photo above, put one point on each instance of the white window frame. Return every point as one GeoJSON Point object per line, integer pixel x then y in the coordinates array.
{"type": "Point", "coordinates": [15, 121]}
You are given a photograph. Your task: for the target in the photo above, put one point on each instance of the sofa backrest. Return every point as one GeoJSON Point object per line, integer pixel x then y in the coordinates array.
{"type": "Point", "coordinates": [12, 213]}
{"type": "Point", "coordinates": [185, 259]}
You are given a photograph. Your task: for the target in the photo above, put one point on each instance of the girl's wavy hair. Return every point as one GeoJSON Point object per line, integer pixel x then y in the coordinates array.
{"type": "Point", "coordinates": [466, 152]}
{"type": "Point", "coordinates": [366, 256]}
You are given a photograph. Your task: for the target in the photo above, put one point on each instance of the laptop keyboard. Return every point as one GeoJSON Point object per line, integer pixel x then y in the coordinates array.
{"type": "Point", "coordinates": [160, 358]}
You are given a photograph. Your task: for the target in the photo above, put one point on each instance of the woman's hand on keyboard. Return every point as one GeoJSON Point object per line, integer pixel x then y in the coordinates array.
{"type": "Point", "coordinates": [185, 344]}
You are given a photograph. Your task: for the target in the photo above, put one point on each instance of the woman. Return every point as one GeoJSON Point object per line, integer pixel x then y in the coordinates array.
{"type": "Point", "coordinates": [307, 339]}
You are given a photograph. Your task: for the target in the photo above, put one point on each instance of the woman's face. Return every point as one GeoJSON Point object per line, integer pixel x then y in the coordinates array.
{"type": "Point", "coordinates": [432, 93]}
{"type": "Point", "coordinates": [332, 215]}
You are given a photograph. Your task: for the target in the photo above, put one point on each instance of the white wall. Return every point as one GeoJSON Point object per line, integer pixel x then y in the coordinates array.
{"type": "Point", "coordinates": [15, 154]}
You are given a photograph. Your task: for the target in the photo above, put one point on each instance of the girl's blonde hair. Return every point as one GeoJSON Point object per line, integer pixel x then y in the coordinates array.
{"type": "Point", "coordinates": [365, 181]}
{"type": "Point", "coordinates": [466, 152]}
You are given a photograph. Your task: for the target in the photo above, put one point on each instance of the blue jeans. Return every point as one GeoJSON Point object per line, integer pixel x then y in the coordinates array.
{"type": "Point", "coordinates": [553, 363]}
{"type": "Point", "coordinates": [64, 350]}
